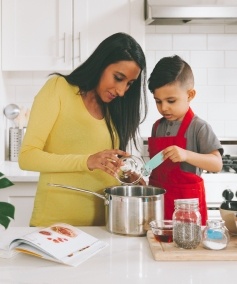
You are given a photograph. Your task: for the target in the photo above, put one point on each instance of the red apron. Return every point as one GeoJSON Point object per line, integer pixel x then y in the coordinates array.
{"type": "Point", "coordinates": [177, 183]}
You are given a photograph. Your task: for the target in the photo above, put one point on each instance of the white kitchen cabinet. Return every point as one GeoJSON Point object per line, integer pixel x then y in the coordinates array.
{"type": "Point", "coordinates": [60, 34]}
{"type": "Point", "coordinates": [106, 17]}
{"type": "Point", "coordinates": [36, 35]}
{"type": "Point", "coordinates": [21, 195]}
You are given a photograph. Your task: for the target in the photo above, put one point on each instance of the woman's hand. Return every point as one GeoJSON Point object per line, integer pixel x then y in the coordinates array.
{"type": "Point", "coordinates": [107, 161]}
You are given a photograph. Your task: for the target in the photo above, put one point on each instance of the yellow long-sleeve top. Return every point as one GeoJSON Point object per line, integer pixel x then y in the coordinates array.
{"type": "Point", "coordinates": [60, 136]}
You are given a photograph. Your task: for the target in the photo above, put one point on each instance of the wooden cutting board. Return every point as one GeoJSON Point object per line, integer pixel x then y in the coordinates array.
{"type": "Point", "coordinates": [168, 251]}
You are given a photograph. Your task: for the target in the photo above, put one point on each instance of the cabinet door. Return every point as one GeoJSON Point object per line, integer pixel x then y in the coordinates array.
{"type": "Point", "coordinates": [36, 34]}
{"type": "Point", "coordinates": [104, 18]}
{"type": "Point", "coordinates": [21, 195]}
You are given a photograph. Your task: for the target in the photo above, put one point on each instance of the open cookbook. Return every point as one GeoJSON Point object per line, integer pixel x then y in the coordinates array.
{"type": "Point", "coordinates": [60, 242]}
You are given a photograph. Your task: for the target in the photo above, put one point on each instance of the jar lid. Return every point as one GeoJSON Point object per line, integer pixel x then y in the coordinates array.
{"type": "Point", "coordinates": [215, 223]}
{"type": "Point", "coordinates": [189, 201]}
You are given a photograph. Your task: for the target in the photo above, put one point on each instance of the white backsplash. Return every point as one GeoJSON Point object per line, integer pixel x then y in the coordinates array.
{"type": "Point", "coordinates": [210, 50]}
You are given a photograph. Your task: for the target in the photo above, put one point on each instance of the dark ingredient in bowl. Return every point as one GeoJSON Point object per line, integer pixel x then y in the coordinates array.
{"type": "Point", "coordinates": [166, 236]}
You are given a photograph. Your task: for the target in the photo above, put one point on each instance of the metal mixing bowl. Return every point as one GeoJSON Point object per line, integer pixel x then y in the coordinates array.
{"type": "Point", "coordinates": [228, 211]}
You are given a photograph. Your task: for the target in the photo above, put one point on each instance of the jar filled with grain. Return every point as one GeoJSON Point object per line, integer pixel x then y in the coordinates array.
{"type": "Point", "coordinates": [187, 231]}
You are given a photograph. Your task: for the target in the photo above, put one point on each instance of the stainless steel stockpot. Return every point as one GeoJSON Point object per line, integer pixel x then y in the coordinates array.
{"type": "Point", "coordinates": [129, 208]}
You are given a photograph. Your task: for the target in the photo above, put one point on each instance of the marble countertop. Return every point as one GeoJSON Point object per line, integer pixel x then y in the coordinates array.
{"type": "Point", "coordinates": [126, 260]}
{"type": "Point", "coordinates": [12, 171]}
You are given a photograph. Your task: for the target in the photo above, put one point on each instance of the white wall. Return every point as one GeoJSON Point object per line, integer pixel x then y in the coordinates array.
{"type": "Point", "coordinates": [212, 53]}
{"type": "Point", "coordinates": [210, 50]}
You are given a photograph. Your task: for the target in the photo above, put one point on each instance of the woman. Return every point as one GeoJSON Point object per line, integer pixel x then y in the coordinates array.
{"type": "Point", "coordinates": [79, 124]}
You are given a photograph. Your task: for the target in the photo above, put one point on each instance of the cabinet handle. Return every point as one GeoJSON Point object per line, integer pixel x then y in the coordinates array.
{"type": "Point", "coordinates": [79, 46]}
{"type": "Point", "coordinates": [64, 47]}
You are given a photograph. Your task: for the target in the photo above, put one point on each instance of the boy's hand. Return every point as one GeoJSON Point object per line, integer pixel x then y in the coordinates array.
{"type": "Point", "coordinates": [175, 154]}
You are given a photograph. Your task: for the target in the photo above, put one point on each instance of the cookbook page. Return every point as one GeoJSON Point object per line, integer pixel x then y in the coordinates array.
{"type": "Point", "coordinates": [80, 256]}
{"type": "Point", "coordinates": [72, 259]}
{"type": "Point", "coordinates": [59, 240]}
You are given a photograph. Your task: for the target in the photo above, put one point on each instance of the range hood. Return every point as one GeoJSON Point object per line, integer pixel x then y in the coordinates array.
{"type": "Point", "coordinates": [158, 12]}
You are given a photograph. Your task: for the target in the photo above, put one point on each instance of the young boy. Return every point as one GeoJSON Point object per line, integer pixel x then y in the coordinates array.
{"type": "Point", "coordinates": [189, 144]}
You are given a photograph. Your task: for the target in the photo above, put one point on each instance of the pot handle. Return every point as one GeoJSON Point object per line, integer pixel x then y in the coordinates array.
{"type": "Point", "coordinates": [78, 189]}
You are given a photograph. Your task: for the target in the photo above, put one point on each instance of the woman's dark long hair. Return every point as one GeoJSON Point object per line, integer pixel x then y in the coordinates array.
{"type": "Point", "coordinates": [124, 113]}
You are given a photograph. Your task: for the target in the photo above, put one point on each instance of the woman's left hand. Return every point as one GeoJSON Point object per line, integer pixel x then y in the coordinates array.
{"type": "Point", "coordinates": [107, 160]}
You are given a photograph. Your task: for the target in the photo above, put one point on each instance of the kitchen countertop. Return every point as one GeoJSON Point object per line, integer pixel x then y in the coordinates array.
{"type": "Point", "coordinates": [125, 260]}
{"type": "Point", "coordinates": [12, 171]}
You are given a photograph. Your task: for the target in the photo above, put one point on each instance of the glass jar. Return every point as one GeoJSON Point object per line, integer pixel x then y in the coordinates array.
{"type": "Point", "coordinates": [187, 231]}
{"type": "Point", "coordinates": [132, 170]}
{"type": "Point", "coordinates": [215, 235]}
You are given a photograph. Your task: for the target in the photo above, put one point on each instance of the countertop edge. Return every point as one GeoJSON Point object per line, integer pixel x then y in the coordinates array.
{"type": "Point", "coordinates": [12, 171]}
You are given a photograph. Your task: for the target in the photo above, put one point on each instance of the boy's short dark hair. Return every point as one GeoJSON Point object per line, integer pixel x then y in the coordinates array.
{"type": "Point", "coordinates": [170, 70]}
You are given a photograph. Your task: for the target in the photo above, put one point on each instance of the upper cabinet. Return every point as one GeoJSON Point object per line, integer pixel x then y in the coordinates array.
{"type": "Point", "coordinates": [36, 35]}
{"type": "Point", "coordinates": [106, 17]}
{"type": "Point", "coordinates": [61, 34]}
